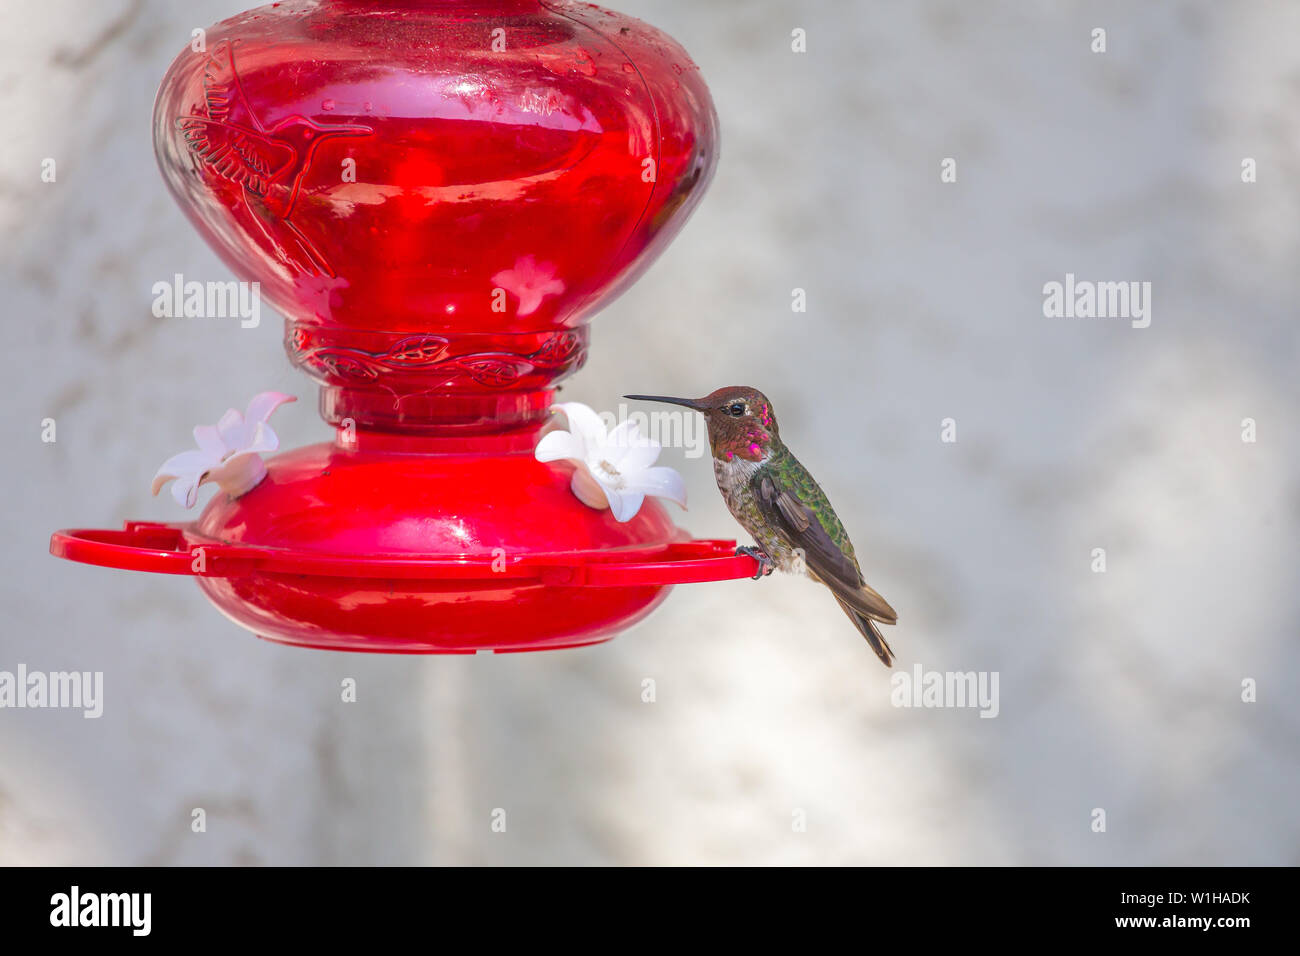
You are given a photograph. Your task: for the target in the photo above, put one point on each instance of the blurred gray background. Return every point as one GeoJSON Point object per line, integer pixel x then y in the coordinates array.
{"type": "Point", "coordinates": [1119, 690]}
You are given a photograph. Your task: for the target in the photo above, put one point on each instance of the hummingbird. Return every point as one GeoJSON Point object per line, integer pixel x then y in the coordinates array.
{"type": "Point", "coordinates": [777, 501]}
{"type": "Point", "coordinates": [269, 164]}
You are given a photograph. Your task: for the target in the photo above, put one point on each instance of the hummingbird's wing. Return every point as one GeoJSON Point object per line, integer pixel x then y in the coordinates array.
{"type": "Point", "coordinates": [223, 93]}
{"type": "Point", "coordinates": [823, 557]}
{"type": "Point", "coordinates": [230, 139]}
{"type": "Point", "coordinates": [240, 155]}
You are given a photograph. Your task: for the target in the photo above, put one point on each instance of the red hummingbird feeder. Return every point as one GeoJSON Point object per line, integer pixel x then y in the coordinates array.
{"type": "Point", "coordinates": [437, 195]}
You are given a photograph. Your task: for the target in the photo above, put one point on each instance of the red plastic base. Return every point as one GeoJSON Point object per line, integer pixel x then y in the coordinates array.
{"type": "Point", "coordinates": [396, 552]}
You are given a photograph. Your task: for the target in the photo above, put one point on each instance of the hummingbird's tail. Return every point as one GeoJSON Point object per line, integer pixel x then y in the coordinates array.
{"type": "Point", "coordinates": [871, 632]}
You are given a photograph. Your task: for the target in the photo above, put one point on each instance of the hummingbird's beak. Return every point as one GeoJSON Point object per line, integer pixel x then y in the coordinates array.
{"type": "Point", "coordinates": [344, 131]}
{"type": "Point", "coordinates": [694, 403]}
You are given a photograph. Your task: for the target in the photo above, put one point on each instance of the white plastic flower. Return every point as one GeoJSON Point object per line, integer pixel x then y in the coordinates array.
{"type": "Point", "coordinates": [530, 282]}
{"type": "Point", "coordinates": [229, 452]}
{"type": "Point", "coordinates": [613, 467]}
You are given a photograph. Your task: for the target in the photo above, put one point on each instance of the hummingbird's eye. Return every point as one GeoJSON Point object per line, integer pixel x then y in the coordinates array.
{"type": "Point", "coordinates": [737, 409]}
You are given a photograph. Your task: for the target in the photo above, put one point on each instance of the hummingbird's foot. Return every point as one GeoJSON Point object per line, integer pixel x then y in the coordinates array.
{"type": "Point", "coordinates": [765, 565]}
